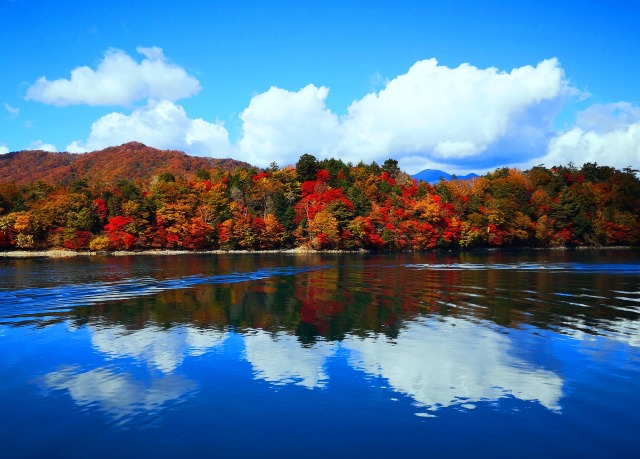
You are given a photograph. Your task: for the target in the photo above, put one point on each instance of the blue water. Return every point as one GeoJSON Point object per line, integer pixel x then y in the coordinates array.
{"type": "Point", "coordinates": [305, 355]}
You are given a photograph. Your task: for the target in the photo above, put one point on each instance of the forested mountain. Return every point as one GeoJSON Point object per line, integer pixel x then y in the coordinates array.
{"type": "Point", "coordinates": [322, 205]}
{"type": "Point", "coordinates": [131, 161]}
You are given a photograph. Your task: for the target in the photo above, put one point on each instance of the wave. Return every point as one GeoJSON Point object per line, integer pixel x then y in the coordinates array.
{"type": "Point", "coordinates": [64, 297]}
{"type": "Point", "coordinates": [599, 268]}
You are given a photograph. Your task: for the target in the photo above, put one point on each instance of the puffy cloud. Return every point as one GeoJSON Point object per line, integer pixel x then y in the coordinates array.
{"type": "Point", "coordinates": [607, 134]}
{"type": "Point", "coordinates": [603, 118]}
{"type": "Point", "coordinates": [619, 148]}
{"type": "Point", "coordinates": [118, 80]}
{"type": "Point", "coordinates": [281, 125]}
{"type": "Point", "coordinates": [431, 114]}
{"type": "Point", "coordinates": [3, 150]}
{"type": "Point", "coordinates": [450, 114]}
{"type": "Point", "coordinates": [40, 145]}
{"type": "Point", "coordinates": [161, 124]}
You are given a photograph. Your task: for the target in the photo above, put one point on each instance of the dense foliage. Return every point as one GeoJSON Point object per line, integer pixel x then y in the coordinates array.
{"type": "Point", "coordinates": [132, 160]}
{"type": "Point", "coordinates": [326, 205]}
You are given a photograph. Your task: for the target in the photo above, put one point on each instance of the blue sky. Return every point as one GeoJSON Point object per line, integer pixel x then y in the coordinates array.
{"type": "Point", "coordinates": [458, 85]}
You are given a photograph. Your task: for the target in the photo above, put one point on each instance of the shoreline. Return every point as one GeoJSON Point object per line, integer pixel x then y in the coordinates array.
{"type": "Point", "coordinates": [65, 253]}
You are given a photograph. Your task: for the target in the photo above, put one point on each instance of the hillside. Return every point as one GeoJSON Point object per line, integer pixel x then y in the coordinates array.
{"type": "Point", "coordinates": [322, 205]}
{"type": "Point", "coordinates": [131, 160]}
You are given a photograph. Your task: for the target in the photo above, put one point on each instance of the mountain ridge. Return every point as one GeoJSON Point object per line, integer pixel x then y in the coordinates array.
{"type": "Point", "coordinates": [434, 175]}
{"type": "Point", "coordinates": [132, 160]}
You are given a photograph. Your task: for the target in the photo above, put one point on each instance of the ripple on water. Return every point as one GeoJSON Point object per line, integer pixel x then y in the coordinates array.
{"type": "Point", "coordinates": [607, 268]}
{"type": "Point", "coordinates": [18, 304]}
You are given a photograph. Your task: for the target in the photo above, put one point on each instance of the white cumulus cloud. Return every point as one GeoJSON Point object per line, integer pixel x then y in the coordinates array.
{"type": "Point", "coordinates": [161, 124]}
{"type": "Point", "coordinates": [281, 125]}
{"type": "Point", "coordinates": [431, 114]}
{"type": "Point", "coordinates": [118, 80]}
{"type": "Point", "coordinates": [40, 145]}
{"type": "Point", "coordinates": [450, 113]}
{"type": "Point", "coordinates": [3, 150]}
{"type": "Point", "coordinates": [604, 118]}
{"type": "Point", "coordinates": [608, 134]}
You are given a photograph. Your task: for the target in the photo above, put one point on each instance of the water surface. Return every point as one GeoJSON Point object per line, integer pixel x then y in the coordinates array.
{"type": "Point", "coordinates": [319, 355]}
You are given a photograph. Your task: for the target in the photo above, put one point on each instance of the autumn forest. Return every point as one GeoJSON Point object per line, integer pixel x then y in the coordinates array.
{"type": "Point", "coordinates": [319, 204]}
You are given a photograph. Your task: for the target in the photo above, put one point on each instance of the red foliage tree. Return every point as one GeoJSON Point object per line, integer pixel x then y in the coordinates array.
{"type": "Point", "coordinates": [119, 238]}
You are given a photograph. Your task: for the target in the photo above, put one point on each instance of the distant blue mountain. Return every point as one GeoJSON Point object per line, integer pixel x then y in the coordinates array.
{"type": "Point", "coordinates": [434, 175]}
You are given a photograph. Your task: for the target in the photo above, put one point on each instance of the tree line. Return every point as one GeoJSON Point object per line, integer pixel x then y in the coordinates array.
{"type": "Point", "coordinates": [326, 204]}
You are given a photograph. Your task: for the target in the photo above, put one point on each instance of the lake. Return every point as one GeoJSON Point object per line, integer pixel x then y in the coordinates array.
{"type": "Point", "coordinates": [528, 354]}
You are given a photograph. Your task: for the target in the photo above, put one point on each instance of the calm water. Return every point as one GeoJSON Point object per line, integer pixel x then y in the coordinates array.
{"type": "Point", "coordinates": [482, 355]}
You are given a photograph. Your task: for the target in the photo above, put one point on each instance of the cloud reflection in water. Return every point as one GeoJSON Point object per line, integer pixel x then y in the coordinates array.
{"type": "Point", "coordinates": [161, 348]}
{"type": "Point", "coordinates": [437, 363]}
{"type": "Point", "coordinates": [453, 362]}
{"type": "Point", "coordinates": [280, 359]}
{"type": "Point", "coordinates": [123, 394]}
{"type": "Point", "coordinates": [119, 394]}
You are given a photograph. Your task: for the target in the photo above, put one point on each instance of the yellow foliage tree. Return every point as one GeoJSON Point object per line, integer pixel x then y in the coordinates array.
{"type": "Point", "coordinates": [323, 230]}
{"type": "Point", "coordinates": [99, 243]}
